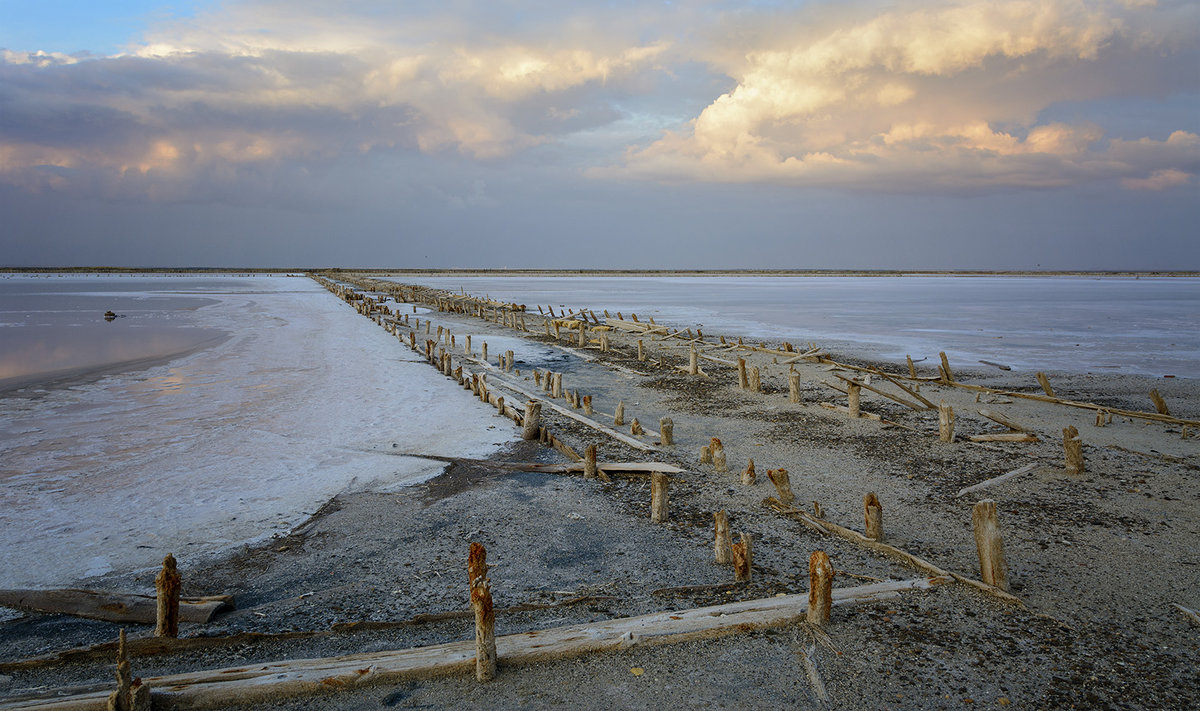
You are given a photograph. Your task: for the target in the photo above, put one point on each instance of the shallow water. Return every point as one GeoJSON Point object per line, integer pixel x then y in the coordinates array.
{"type": "Point", "coordinates": [1073, 324]}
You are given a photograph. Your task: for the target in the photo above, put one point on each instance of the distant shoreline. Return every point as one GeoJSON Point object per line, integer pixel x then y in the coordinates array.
{"type": "Point", "coordinates": [600, 272]}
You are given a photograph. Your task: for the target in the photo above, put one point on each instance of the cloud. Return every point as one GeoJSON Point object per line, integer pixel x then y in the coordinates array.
{"type": "Point", "coordinates": [932, 96]}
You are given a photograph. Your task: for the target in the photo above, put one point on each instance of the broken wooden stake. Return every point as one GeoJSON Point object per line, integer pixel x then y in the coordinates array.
{"type": "Point", "coordinates": [873, 515]}
{"type": "Point", "coordinates": [743, 380]}
{"type": "Point", "coordinates": [723, 545]}
{"type": "Point", "coordinates": [783, 484]}
{"type": "Point", "coordinates": [706, 454]}
{"type": "Point", "coordinates": [743, 558]}
{"type": "Point", "coordinates": [755, 379]}
{"type": "Point", "coordinates": [167, 586]}
{"type": "Point", "coordinates": [912, 369]}
{"type": "Point", "coordinates": [945, 422]}
{"type": "Point", "coordinates": [749, 477]}
{"type": "Point", "coordinates": [131, 694]}
{"type": "Point", "coordinates": [485, 616]}
{"type": "Point", "coordinates": [666, 429]}
{"type": "Point", "coordinates": [641, 352]}
{"type": "Point", "coordinates": [794, 387]}
{"type": "Point", "coordinates": [587, 404]}
{"type": "Point", "coordinates": [820, 588]}
{"type": "Point", "coordinates": [718, 454]}
{"type": "Point", "coordinates": [1045, 383]}
{"type": "Point", "coordinates": [1159, 404]}
{"type": "Point", "coordinates": [992, 568]}
{"type": "Point", "coordinates": [619, 417]}
{"type": "Point", "coordinates": [1073, 450]}
{"type": "Point", "coordinates": [854, 395]}
{"type": "Point", "coordinates": [946, 374]}
{"type": "Point", "coordinates": [531, 422]}
{"type": "Point", "coordinates": [636, 428]}
{"type": "Point", "coordinates": [658, 497]}
{"type": "Point", "coordinates": [693, 361]}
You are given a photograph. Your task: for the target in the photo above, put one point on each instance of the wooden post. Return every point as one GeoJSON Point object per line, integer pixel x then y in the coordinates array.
{"type": "Point", "coordinates": [587, 404]}
{"type": "Point", "coordinates": [718, 454]}
{"type": "Point", "coordinates": [854, 392]}
{"type": "Point", "coordinates": [658, 497]}
{"type": "Point", "coordinates": [945, 422]}
{"type": "Point", "coordinates": [532, 420]}
{"type": "Point", "coordinates": [749, 476]}
{"type": "Point", "coordinates": [467, 344]}
{"type": "Point", "coordinates": [743, 559]}
{"type": "Point", "coordinates": [1045, 383]}
{"type": "Point", "coordinates": [582, 334]}
{"type": "Point", "coordinates": [1159, 404]}
{"type": "Point", "coordinates": [794, 387]}
{"type": "Point", "coordinates": [636, 428]}
{"type": "Point", "coordinates": [509, 357]}
{"type": "Point", "coordinates": [1073, 450]}
{"type": "Point", "coordinates": [167, 586]}
{"type": "Point", "coordinates": [500, 404]}
{"type": "Point", "coordinates": [993, 569]}
{"type": "Point", "coordinates": [873, 514]}
{"type": "Point", "coordinates": [483, 352]}
{"type": "Point", "coordinates": [589, 462]}
{"type": "Point", "coordinates": [604, 341]}
{"type": "Point", "coordinates": [706, 455]}
{"type": "Point", "coordinates": [912, 369]}
{"type": "Point", "coordinates": [783, 485]}
{"type": "Point", "coordinates": [820, 588]}
{"type": "Point", "coordinates": [723, 547]}
{"type": "Point", "coordinates": [694, 361]}
{"type": "Point", "coordinates": [755, 379]}
{"type": "Point", "coordinates": [743, 381]}
{"type": "Point", "coordinates": [666, 428]}
{"type": "Point", "coordinates": [131, 694]}
{"type": "Point", "coordinates": [558, 391]}
{"type": "Point", "coordinates": [946, 374]}
{"type": "Point", "coordinates": [619, 417]}
{"type": "Point", "coordinates": [485, 616]}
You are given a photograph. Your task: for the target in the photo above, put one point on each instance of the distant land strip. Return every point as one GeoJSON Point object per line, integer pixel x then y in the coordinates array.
{"type": "Point", "coordinates": [594, 272]}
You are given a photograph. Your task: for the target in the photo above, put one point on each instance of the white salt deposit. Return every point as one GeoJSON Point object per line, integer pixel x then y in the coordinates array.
{"type": "Point", "coordinates": [225, 446]}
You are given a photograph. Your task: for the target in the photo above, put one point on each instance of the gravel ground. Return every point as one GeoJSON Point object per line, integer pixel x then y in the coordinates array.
{"type": "Point", "coordinates": [1097, 559]}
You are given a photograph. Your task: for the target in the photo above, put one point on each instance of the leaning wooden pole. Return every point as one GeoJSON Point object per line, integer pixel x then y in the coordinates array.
{"type": "Point", "coordinates": [485, 616]}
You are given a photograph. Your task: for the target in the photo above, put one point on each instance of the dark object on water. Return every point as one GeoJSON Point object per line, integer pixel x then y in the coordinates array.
{"type": "Point", "coordinates": [1001, 367]}
{"type": "Point", "coordinates": [109, 315]}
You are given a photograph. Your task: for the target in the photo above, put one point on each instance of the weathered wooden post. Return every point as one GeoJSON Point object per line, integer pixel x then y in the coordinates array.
{"type": "Point", "coordinates": [641, 352]}
{"type": "Point", "coordinates": [558, 391]}
{"type": "Point", "coordinates": [582, 334]}
{"type": "Point", "coordinates": [743, 559]}
{"type": "Point", "coordinates": [589, 462]}
{"type": "Point", "coordinates": [749, 476]}
{"type": "Point", "coordinates": [945, 422]}
{"type": "Point", "coordinates": [485, 616]}
{"type": "Point", "coordinates": [467, 345]}
{"type": "Point", "coordinates": [666, 427]}
{"type": "Point", "coordinates": [587, 404]}
{"type": "Point", "coordinates": [794, 387]}
{"type": "Point", "coordinates": [755, 379]}
{"type": "Point", "coordinates": [1160, 405]}
{"type": "Point", "coordinates": [483, 352]}
{"type": "Point", "coordinates": [131, 694]}
{"type": "Point", "coordinates": [706, 454]}
{"type": "Point", "coordinates": [743, 381]}
{"type": "Point", "coordinates": [509, 357]}
{"type": "Point", "coordinates": [718, 454]}
{"type": "Point", "coordinates": [167, 586]}
{"type": "Point", "coordinates": [1073, 450]}
{"type": "Point", "coordinates": [693, 361]}
{"type": "Point", "coordinates": [531, 423]}
{"type": "Point", "coordinates": [500, 404]}
{"type": "Point", "coordinates": [619, 417]}
{"type": "Point", "coordinates": [783, 485]}
{"type": "Point", "coordinates": [723, 547]}
{"type": "Point", "coordinates": [873, 515]}
{"type": "Point", "coordinates": [854, 393]}
{"type": "Point", "coordinates": [635, 428]}
{"type": "Point", "coordinates": [604, 341]}
{"type": "Point", "coordinates": [658, 497]}
{"type": "Point", "coordinates": [993, 569]}
{"type": "Point", "coordinates": [1045, 383]}
{"type": "Point", "coordinates": [820, 588]}
{"type": "Point", "coordinates": [946, 374]}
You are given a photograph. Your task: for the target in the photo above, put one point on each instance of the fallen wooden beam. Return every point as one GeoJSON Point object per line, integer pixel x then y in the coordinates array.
{"type": "Point", "coordinates": [910, 391]}
{"type": "Point", "coordinates": [261, 682]}
{"type": "Point", "coordinates": [997, 479]}
{"type": "Point", "coordinates": [861, 413]}
{"type": "Point", "coordinates": [1005, 437]}
{"type": "Point", "coordinates": [112, 606]}
{"type": "Point", "coordinates": [1001, 419]}
{"type": "Point", "coordinates": [877, 391]}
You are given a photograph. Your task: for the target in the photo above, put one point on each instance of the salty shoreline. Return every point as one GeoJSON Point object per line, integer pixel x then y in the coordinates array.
{"type": "Point", "coordinates": [1098, 558]}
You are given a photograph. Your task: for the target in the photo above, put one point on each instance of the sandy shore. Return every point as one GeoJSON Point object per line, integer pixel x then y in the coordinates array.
{"type": "Point", "coordinates": [1097, 560]}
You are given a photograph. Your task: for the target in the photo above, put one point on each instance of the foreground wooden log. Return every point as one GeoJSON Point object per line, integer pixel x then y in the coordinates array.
{"type": "Point", "coordinates": [993, 569]}
{"type": "Point", "coordinates": [485, 616]}
{"type": "Point", "coordinates": [112, 607]}
{"type": "Point", "coordinates": [1073, 450]}
{"type": "Point", "coordinates": [723, 543]}
{"type": "Point", "coordinates": [241, 685]}
{"type": "Point", "coordinates": [820, 588]}
{"type": "Point", "coordinates": [167, 586]}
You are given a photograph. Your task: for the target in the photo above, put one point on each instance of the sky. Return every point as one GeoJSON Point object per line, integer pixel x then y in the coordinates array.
{"type": "Point", "coordinates": [939, 134]}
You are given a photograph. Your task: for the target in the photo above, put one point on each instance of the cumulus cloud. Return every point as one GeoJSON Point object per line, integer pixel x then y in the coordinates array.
{"type": "Point", "coordinates": [944, 95]}
{"type": "Point", "coordinates": [253, 97]}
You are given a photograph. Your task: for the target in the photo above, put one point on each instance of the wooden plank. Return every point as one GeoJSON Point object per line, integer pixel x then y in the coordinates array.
{"type": "Point", "coordinates": [1001, 419]}
{"type": "Point", "coordinates": [877, 391]}
{"type": "Point", "coordinates": [1005, 437]}
{"type": "Point", "coordinates": [112, 606]}
{"type": "Point", "coordinates": [296, 677]}
{"type": "Point", "coordinates": [997, 479]}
